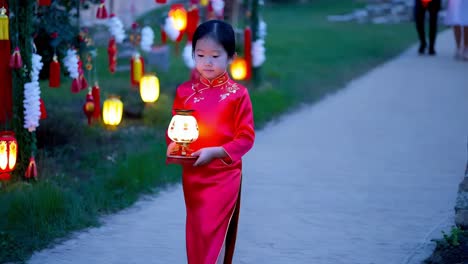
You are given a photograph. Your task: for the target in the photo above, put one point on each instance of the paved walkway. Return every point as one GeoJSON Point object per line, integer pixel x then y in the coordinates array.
{"type": "Point", "coordinates": [368, 175]}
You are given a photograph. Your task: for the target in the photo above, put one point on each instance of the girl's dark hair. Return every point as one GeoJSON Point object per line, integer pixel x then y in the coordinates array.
{"type": "Point", "coordinates": [219, 31]}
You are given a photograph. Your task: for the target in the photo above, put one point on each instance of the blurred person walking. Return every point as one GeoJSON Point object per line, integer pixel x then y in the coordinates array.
{"type": "Point", "coordinates": [420, 8]}
{"type": "Point", "coordinates": [457, 17]}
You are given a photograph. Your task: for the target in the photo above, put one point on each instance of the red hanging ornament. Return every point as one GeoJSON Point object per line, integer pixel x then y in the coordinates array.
{"type": "Point", "coordinates": [160, 1]}
{"type": "Point", "coordinates": [112, 54]}
{"type": "Point", "coordinates": [88, 107]}
{"type": "Point", "coordinates": [193, 17]}
{"type": "Point", "coordinates": [44, 2]}
{"type": "Point", "coordinates": [54, 73]}
{"type": "Point", "coordinates": [248, 51]}
{"type": "Point", "coordinates": [31, 171]}
{"type": "Point", "coordinates": [96, 92]}
{"type": "Point", "coordinates": [6, 91]}
{"type": "Point", "coordinates": [76, 85]}
{"type": "Point", "coordinates": [81, 77]}
{"type": "Point", "coordinates": [163, 36]}
{"type": "Point", "coordinates": [102, 11]}
{"type": "Point", "coordinates": [43, 109]}
{"type": "Point", "coordinates": [15, 60]}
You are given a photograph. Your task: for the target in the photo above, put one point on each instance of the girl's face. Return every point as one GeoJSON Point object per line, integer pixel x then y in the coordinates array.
{"type": "Point", "coordinates": [211, 59]}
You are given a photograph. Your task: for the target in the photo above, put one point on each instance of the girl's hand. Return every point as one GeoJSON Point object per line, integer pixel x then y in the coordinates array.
{"type": "Point", "coordinates": [205, 155]}
{"type": "Point", "coordinates": [171, 147]}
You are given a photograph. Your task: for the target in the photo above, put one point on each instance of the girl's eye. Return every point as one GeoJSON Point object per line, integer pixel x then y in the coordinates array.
{"type": "Point", "coordinates": [200, 55]}
{"type": "Point", "coordinates": [216, 56]}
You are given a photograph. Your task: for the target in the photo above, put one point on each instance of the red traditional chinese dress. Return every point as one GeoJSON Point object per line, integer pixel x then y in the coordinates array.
{"type": "Point", "coordinates": [212, 192]}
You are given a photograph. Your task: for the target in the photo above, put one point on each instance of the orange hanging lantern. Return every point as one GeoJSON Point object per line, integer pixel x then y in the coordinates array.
{"type": "Point", "coordinates": [179, 16]}
{"type": "Point", "coordinates": [4, 24]}
{"type": "Point", "coordinates": [112, 111]}
{"type": "Point", "coordinates": [149, 88]}
{"type": "Point", "coordinates": [239, 69]}
{"type": "Point", "coordinates": [137, 69]}
{"type": "Point", "coordinates": [88, 107]}
{"type": "Point", "coordinates": [8, 154]}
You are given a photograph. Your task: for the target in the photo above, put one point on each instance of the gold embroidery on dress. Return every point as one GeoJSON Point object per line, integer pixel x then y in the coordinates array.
{"type": "Point", "coordinates": [229, 89]}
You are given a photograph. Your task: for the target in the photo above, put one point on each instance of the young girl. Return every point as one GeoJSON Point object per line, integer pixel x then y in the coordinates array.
{"type": "Point", "coordinates": [223, 111]}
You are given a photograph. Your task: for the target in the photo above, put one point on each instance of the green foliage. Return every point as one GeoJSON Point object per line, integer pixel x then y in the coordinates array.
{"type": "Point", "coordinates": [453, 238]}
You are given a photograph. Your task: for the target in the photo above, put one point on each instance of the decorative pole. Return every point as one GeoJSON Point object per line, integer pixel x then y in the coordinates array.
{"type": "Point", "coordinates": [23, 20]}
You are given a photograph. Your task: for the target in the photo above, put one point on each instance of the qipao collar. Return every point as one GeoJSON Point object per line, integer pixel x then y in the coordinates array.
{"type": "Point", "coordinates": [218, 81]}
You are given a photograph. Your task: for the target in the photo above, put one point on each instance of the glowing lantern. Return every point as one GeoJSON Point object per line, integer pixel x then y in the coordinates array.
{"type": "Point", "coordinates": [425, 3]}
{"type": "Point", "coordinates": [204, 2]}
{"type": "Point", "coordinates": [183, 130]}
{"type": "Point", "coordinates": [239, 69]}
{"type": "Point", "coordinates": [8, 154]}
{"type": "Point", "coordinates": [149, 88]}
{"type": "Point", "coordinates": [112, 111]}
{"type": "Point", "coordinates": [179, 15]}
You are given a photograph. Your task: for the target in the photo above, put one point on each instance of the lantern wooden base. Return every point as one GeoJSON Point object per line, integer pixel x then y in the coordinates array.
{"type": "Point", "coordinates": [181, 160]}
{"type": "Point", "coordinates": [181, 154]}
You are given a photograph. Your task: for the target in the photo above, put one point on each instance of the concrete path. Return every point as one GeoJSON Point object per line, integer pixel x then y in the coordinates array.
{"type": "Point", "coordinates": [367, 176]}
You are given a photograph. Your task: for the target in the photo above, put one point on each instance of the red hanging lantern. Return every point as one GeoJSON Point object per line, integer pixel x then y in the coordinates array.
{"type": "Point", "coordinates": [44, 2]}
{"type": "Point", "coordinates": [160, 1]}
{"type": "Point", "coordinates": [15, 60]}
{"type": "Point", "coordinates": [248, 51]}
{"type": "Point", "coordinates": [54, 73]}
{"type": "Point", "coordinates": [43, 109]}
{"type": "Point", "coordinates": [8, 154]}
{"type": "Point", "coordinates": [425, 3]}
{"type": "Point", "coordinates": [88, 107]}
{"type": "Point", "coordinates": [6, 91]}
{"type": "Point", "coordinates": [193, 17]}
{"type": "Point", "coordinates": [96, 92]}
{"type": "Point", "coordinates": [102, 11]}
{"type": "Point", "coordinates": [112, 54]}
{"type": "Point", "coordinates": [31, 171]}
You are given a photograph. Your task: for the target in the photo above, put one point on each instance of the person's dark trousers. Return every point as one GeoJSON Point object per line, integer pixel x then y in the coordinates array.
{"type": "Point", "coordinates": [419, 16]}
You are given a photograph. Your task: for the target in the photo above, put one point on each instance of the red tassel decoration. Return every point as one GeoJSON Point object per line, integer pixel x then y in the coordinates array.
{"type": "Point", "coordinates": [248, 51]}
{"type": "Point", "coordinates": [44, 2]}
{"type": "Point", "coordinates": [54, 73]}
{"type": "Point", "coordinates": [31, 171]}
{"type": "Point", "coordinates": [43, 109]}
{"type": "Point", "coordinates": [102, 11]}
{"type": "Point", "coordinates": [161, 1]}
{"type": "Point", "coordinates": [81, 77]}
{"type": "Point", "coordinates": [88, 107]}
{"type": "Point", "coordinates": [163, 36]}
{"type": "Point", "coordinates": [193, 17]}
{"type": "Point", "coordinates": [76, 85]}
{"type": "Point", "coordinates": [112, 54]}
{"type": "Point", "coordinates": [15, 60]}
{"type": "Point", "coordinates": [96, 92]}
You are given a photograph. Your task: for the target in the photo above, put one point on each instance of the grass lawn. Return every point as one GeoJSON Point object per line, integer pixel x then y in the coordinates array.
{"type": "Point", "coordinates": [86, 172]}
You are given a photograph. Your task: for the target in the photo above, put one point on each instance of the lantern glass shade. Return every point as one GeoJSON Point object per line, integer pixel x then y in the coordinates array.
{"type": "Point", "coordinates": [179, 16]}
{"type": "Point", "coordinates": [238, 69]}
{"type": "Point", "coordinates": [183, 127]}
{"type": "Point", "coordinates": [149, 88]}
{"type": "Point", "coordinates": [8, 151]}
{"type": "Point", "coordinates": [112, 111]}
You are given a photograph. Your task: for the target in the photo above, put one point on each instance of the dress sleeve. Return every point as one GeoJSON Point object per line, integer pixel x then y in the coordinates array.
{"type": "Point", "coordinates": [244, 130]}
{"type": "Point", "coordinates": [177, 104]}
